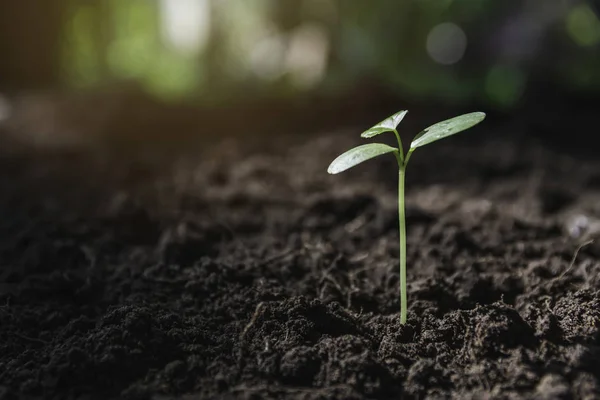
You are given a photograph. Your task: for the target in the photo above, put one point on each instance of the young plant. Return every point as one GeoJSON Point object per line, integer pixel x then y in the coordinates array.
{"type": "Point", "coordinates": [365, 152]}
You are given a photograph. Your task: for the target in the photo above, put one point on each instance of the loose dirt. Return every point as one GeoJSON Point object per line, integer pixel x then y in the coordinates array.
{"type": "Point", "coordinates": [243, 274]}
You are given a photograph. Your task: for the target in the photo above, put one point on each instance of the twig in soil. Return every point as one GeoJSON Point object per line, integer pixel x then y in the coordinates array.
{"type": "Point", "coordinates": [573, 259]}
{"type": "Point", "coordinates": [242, 348]}
{"type": "Point", "coordinates": [277, 257]}
{"type": "Point", "coordinates": [36, 340]}
{"type": "Point", "coordinates": [327, 276]}
{"type": "Point", "coordinates": [256, 314]}
{"type": "Point", "coordinates": [283, 389]}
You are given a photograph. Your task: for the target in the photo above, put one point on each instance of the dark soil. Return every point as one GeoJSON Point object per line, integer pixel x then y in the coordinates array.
{"type": "Point", "coordinates": [255, 275]}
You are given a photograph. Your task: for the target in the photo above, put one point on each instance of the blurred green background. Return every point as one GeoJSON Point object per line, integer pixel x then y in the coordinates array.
{"type": "Point", "coordinates": [213, 51]}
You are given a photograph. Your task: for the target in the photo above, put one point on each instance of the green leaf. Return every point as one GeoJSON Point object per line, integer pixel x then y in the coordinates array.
{"type": "Point", "coordinates": [357, 155]}
{"type": "Point", "coordinates": [387, 125]}
{"type": "Point", "coordinates": [446, 128]}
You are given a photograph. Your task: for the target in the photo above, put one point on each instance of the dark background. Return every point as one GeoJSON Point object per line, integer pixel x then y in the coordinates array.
{"type": "Point", "coordinates": [140, 72]}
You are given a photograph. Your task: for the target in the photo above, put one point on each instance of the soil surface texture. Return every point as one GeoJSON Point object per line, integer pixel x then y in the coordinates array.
{"type": "Point", "coordinates": [250, 273]}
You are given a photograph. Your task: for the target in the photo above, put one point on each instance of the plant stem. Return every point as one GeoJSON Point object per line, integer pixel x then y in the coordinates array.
{"type": "Point", "coordinates": [402, 233]}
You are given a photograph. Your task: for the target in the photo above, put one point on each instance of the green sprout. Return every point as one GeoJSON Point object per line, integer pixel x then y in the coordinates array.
{"type": "Point", "coordinates": [365, 152]}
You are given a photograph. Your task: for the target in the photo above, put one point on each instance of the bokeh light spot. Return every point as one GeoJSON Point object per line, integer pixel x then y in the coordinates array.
{"type": "Point", "coordinates": [446, 43]}
{"type": "Point", "coordinates": [504, 85]}
{"type": "Point", "coordinates": [306, 58]}
{"type": "Point", "coordinates": [266, 57]}
{"type": "Point", "coordinates": [185, 24]}
{"type": "Point", "coordinates": [583, 26]}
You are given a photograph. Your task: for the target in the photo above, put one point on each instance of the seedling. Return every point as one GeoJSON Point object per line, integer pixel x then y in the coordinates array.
{"type": "Point", "coordinates": [365, 152]}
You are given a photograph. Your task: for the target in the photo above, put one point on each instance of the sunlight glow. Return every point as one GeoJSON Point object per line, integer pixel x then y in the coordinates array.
{"type": "Point", "coordinates": [266, 57]}
{"type": "Point", "coordinates": [185, 24]}
{"type": "Point", "coordinates": [306, 58]}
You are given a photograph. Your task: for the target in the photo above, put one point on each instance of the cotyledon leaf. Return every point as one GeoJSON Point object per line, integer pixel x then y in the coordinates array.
{"type": "Point", "coordinates": [387, 125]}
{"type": "Point", "coordinates": [357, 155]}
{"type": "Point", "coordinates": [446, 128]}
